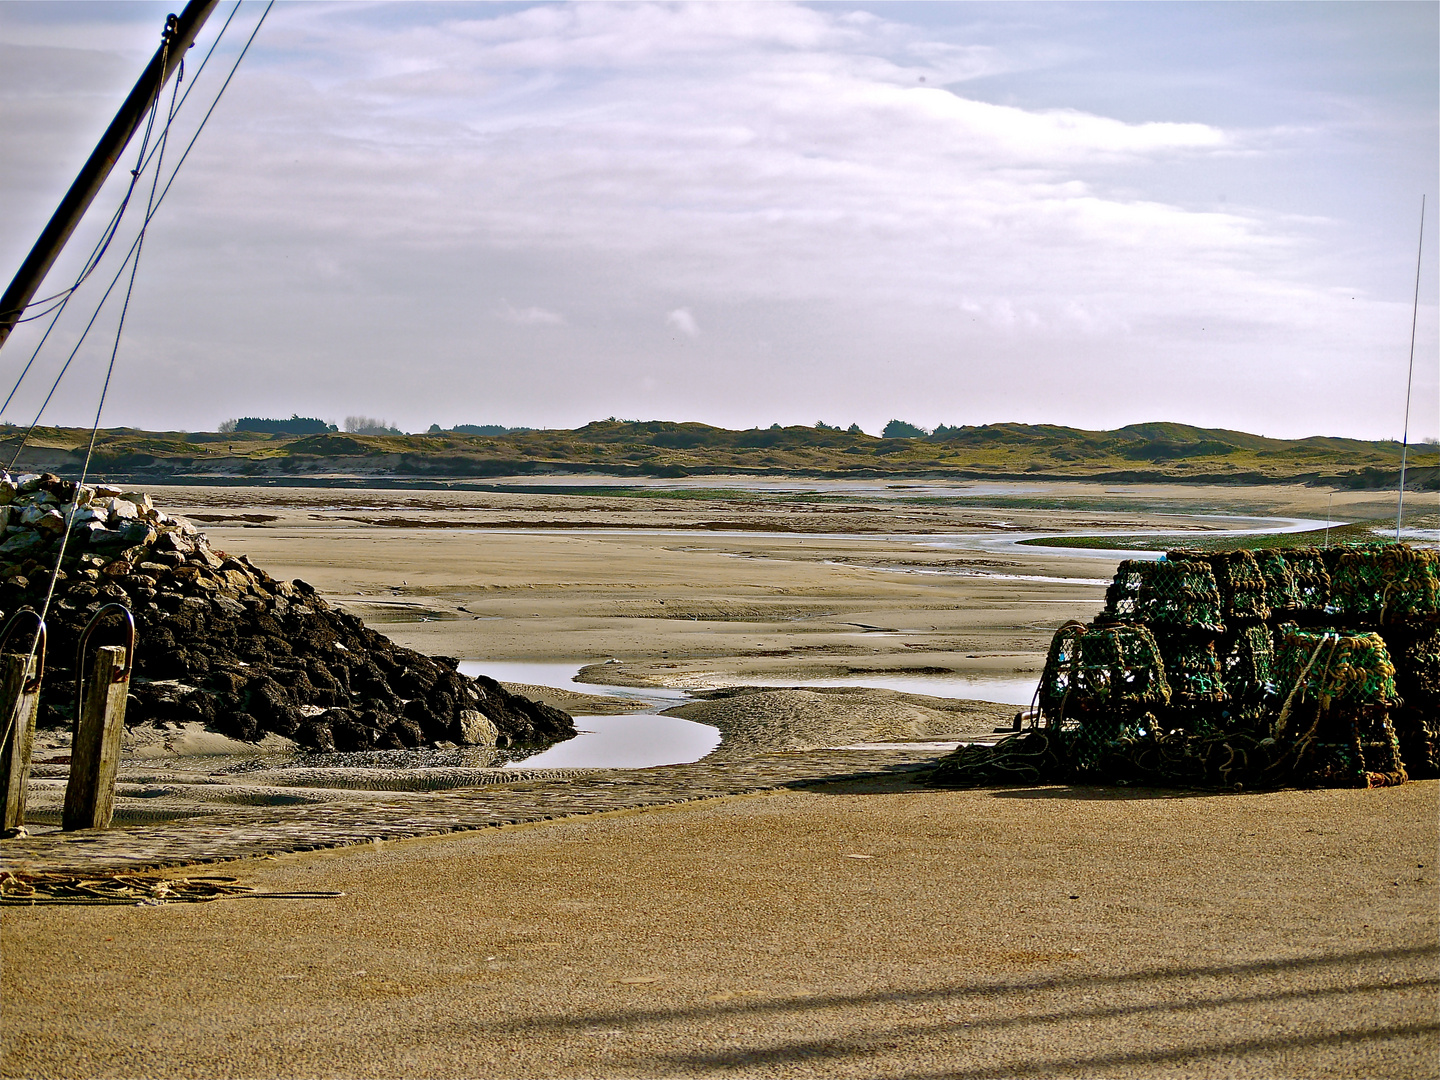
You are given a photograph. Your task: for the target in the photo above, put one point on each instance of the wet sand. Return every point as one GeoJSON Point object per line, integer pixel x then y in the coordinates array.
{"type": "Point", "coordinates": [702, 592]}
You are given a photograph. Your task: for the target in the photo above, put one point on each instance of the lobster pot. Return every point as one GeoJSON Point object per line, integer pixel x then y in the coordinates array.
{"type": "Point", "coordinates": [1242, 587]}
{"type": "Point", "coordinates": [1282, 596]}
{"type": "Point", "coordinates": [1337, 689]}
{"type": "Point", "coordinates": [1247, 663]}
{"type": "Point", "coordinates": [1100, 687]}
{"type": "Point", "coordinates": [1416, 718]}
{"type": "Point", "coordinates": [1123, 593]}
{"type": "Point", "coordinates": [1192, 668]}
{"type": "Point", "coordinates": [1311, 579]}
{"type": "Point", "coordinates": [1383, 583]}
{"type": "Point", "coordinates": [1180, 596]}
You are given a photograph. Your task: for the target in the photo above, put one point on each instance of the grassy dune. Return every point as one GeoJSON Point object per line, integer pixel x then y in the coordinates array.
{"type": "Point", "coordinates": [1139, 453]}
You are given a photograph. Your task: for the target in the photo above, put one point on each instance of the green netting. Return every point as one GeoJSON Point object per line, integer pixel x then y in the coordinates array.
{"type": "Point", "coordinates": [1282, 595]}
{"type": "Point", "coordinates": [1247, 663]}
{"type": "Point", "coordinates": [1089, 668]}
{"type": "Point", "coordinates": [1180, 594]}
{"type": "Point", "coordinates": [1331, 665]}
{"type": "Point", "coordinates": [1146, 694]}
{"type": "Point", "coordinates": [1312, 579]}
{"type": "Point", "coordinates": [1192, 669]}
{"type": "Point", "coordinates": [1381, 582]}
{"type": "Point", "coordinates": [1339, 744]}
{"type": "Point", "coordinates": [1242, 586]}
{"type": "Point", "coordinates": [1124, 591]}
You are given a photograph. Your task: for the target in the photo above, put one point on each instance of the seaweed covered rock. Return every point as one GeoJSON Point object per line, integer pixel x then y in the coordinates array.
{"type": "Point", "coordinates": [220, 641]}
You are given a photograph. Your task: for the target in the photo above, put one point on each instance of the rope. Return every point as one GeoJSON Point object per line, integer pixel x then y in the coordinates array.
{"type": "Point", "coordinates": [133, 890]}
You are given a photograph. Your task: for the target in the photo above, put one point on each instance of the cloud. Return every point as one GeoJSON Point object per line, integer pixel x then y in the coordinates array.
{"type": "Point", "coordinates": [683, 321]}
{"type": "Point", "coordinates": [934, 245]}
{"type": "Point", "coordinates": [530, 316]}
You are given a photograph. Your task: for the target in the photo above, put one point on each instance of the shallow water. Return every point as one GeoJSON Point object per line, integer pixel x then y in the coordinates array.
{"type": "Point", "coordinates": [641, 740]}
{"type": "Point", "coordinates": [635, 741]}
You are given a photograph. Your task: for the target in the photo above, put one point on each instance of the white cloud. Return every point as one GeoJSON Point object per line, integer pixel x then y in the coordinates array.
{"type": "Point", "coordinates": [684, 321]}
{"type": "Point", "coordinates": [781, 168]}
{"type": "Point", "coordinates": [530, 316]}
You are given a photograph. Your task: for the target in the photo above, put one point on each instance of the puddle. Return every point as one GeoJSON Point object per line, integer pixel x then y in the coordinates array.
{"type": "Point", "coordinates": [1016, 691]}
{"type": "Point", "coordinates": [562, 677]}
{"type": "Point", "coordinates": [636, 741]}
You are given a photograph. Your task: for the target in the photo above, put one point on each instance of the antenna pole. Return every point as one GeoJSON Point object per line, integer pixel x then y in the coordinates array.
{"type": "Point", "coordinates": [179, 35]}
{"type": "Point", "coordinates": [1410, 378]}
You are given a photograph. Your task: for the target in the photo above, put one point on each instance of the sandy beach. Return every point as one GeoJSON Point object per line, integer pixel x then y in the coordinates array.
{"type": "Point", "coordinates": [870, 930]}
{"type": "Point", "coordinates": [857, 928]}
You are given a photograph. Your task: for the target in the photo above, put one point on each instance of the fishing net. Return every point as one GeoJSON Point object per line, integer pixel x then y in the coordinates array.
{"type": "Point", "coordinates": [1242, 586]}
{"type": "Point", "coordinates": [1093, 668]}
{"type": "Point", "coordinates": [1332, 665]}
{"type": "Point", "coordinates": [1123, 594]}
{"type": "Point", "coordinates": [1177, 592]}
{"type": "Point", "coordinates": [1312, 581]}
{"type": "Point", "coordinates": [1189, 677]}
{"type": "Point", "coordinates": [1192, 669]}
{"type": "Point", "coordinates": [1032, 757]}
{"type": "Point", "coordinates": [1383, 582]}
{"type": "Point", "coordinates": [1247, 663]}
{"type": "Point", "coordinates": [1282, 595]}
{"type": "Point", "coordinates": [1417, 678]}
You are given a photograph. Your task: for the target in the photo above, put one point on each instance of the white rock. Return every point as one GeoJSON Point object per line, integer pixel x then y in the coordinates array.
{"type": "Point", "coordinates": [477, 729]}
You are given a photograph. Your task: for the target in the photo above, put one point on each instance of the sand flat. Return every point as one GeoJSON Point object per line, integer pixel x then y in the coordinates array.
{"type": "Point", "coordinates": [857, 930]}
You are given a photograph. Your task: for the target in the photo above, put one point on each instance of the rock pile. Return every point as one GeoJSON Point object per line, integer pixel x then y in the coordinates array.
{"type": "Point", "coordinates": [220, 641]}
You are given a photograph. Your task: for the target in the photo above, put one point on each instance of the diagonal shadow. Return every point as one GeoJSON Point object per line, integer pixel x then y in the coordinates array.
{"type": "Point", "coordinates": [822, 1049]}
{"type": "Point", "coordinates": [941, 994]}
{"type": "Point", "coordinates": [1219, 1048]}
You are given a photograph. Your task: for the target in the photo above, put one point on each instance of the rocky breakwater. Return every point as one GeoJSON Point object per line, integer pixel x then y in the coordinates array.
{"type": "Point", "coordinates": [223, 643]}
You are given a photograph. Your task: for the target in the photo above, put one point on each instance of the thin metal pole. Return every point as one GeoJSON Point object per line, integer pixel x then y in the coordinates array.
{"type": "Point", "coordinates": [1414, 313]}
{"type": "Point", "coordinates": [96, 170]}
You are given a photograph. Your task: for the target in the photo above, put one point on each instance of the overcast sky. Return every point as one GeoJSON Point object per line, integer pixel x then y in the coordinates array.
{"type": "Point", "coordinates": [541, 215]}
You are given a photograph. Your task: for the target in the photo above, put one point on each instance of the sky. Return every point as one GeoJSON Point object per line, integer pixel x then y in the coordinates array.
{"type": "Point", "coordinates": [746, 214]}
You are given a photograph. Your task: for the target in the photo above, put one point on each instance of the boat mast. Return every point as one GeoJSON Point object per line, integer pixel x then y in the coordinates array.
{"type": "Point", "coordinates": [1410, 378]}
{"type": "Point", "coordinates": [179, 34]}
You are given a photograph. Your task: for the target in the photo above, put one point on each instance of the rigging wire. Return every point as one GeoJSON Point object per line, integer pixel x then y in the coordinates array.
{"type": "Point", "coordinates": [132, 257]}
{"type": "Point", "coordinates": [108, 235]}
{"type": "Point", "coordinates": [24, 439]}
{"type": "Point", "coordinates": [105, 389]}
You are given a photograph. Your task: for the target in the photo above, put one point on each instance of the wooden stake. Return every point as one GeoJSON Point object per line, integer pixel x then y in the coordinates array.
{"type": "Point", "coordinates": [95, 752]}
{"type": "Point", "coordinates": [19, 700]}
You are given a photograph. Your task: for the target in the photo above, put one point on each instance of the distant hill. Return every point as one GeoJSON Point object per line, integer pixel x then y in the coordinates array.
{"type": "Point", "coordinates": [1155, 452]}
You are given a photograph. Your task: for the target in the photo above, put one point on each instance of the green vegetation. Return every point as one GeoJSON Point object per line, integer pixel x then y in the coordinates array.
{"type": "Point", "coordinates": [1141, 453]}
{"type": "Point", "coordinates": [1361, 532]}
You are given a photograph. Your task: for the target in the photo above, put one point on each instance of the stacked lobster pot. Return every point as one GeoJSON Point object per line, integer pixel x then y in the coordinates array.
{"type": "Point", "coordinates": [1246, 668]}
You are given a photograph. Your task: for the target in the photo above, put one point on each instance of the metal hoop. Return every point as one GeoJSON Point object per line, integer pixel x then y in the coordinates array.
{"type": "Point", "coordinates": [37, 646]}
{"type": "Point", "coordinates": [121, 673]}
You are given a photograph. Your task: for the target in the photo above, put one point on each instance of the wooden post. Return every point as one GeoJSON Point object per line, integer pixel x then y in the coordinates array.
{"type": "Point", "coordinates": [95, 751]}
{"type": "Point", "coordinates": [19, 700]}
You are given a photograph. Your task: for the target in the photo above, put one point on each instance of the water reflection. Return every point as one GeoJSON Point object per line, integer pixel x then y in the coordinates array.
{"type": "Point", "coordinates": [636, 741]}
